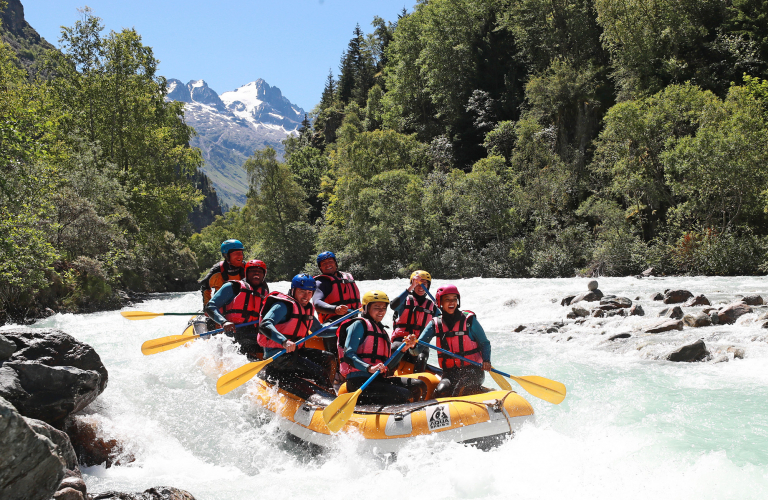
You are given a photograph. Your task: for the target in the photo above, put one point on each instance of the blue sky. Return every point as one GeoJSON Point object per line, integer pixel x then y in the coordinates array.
{"type": "Point", "coordinates": [291, 44]}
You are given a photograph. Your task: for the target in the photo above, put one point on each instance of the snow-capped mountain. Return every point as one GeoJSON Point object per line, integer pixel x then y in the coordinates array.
{"type": "Point", "coordinates": [231, 126]}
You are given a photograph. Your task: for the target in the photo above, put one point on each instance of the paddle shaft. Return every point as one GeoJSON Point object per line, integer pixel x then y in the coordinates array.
{"type": "Point", "coordinates": [461, 357]}
{"type": "Point", "coordinates": [236, 326]}
{"type": "Point", "coordinates": [386, 363]}
{"type": "Point", "coordinates": [313, 334]}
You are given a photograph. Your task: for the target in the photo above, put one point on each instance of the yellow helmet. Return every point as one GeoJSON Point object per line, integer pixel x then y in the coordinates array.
{"type": "Point", "coordinates": [422, 274]}
{"type": "Point", "coordinates": [374, 296]}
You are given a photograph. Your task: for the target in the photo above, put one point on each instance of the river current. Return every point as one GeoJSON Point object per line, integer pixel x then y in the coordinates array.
{"type": "Point", "coordinates": [632, 425]}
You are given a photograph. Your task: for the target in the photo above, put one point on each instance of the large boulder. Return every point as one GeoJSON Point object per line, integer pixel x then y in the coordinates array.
{"type": "Point", "coordinates": [699, 300]}
{"type": "Point", "coordinates": [665, 325]}
{"type": "Point", "coordinates": [7, 348]}
{"type": "Point", "coordinates": [91, 446]}
{"type": "Point", "coordinates": [610, 302]}
{"type": "Point", "coordinates": [590, 296]}
{"type": "Point", "coordinates": [730, 313]}
{"type": "Point", "coordinates": [592, 285]}
{"type": "Point", "coordinates": [657, 296]}
{"type": "Point", "coordinates": [753, 300]}
{"type": "Point", "coordinates": [30, 468]}
{"type": "Point", "coordinates": [676, 296]}
{"type": "Point", "coordinates": [50, 375]}
{"type": "Point", "coordinates": [156, 493]}
{"type": "Point", "coordinates": [697, 319]}
{"type": "Point", "coordinates": [690, 353]}
{"type": "Point", "coordinates": [671, 312]}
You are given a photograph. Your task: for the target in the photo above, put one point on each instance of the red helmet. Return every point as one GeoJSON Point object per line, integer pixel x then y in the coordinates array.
{"type": "Point", "coordinates": [445, 290]}
{"type": "Point", "coordinates": [256, 263]}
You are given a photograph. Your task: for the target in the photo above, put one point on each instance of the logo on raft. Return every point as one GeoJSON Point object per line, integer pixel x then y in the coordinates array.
{"type": "Point", "coordinates": [438, 417]}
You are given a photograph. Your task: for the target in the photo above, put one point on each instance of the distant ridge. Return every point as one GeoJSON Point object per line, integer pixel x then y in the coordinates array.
{"type": "Point", "coordinates": [233, 125]}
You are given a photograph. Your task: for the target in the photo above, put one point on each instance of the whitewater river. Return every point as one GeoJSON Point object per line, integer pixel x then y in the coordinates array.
{"type": "Point", "coordinates": [632, 426]}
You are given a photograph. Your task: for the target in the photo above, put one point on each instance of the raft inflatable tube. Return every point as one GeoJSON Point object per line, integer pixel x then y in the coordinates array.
{"type": "Point", "coordinates": [484, 420]}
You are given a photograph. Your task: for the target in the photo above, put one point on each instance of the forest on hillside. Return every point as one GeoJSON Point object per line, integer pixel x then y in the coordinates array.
{"type": "Point", "coordinates": [527, 138]}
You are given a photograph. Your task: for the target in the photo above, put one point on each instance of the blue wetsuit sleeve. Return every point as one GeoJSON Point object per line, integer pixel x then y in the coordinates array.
{"type": "Point", "coordinates": [355, 335]}
{"type": "Point", "coordinates": [398, 303]}
{"type": "Point", "coordinates": [323, 289]}
{"type": "Point", "coordinates": [275, 315]}
{"type": "Point", "coordinates": [427, 334]}
{"type": "Point", "coordinates": [478, 335]}
{"type": "Point", "coordinates": [222, 297]}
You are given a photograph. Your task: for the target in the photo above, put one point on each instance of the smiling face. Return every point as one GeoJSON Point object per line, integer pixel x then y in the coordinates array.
{"type": "Point", "coordinates": [419, 290]}
{"type": "Point", "coordinates": [449, 303]}
{"type": "Point", "coordinates": [329, 267]}
{"type": "Point", "coordinates": [377, 311]}
{"type": "Point", "coordinates": [235, 258]}
{"type": "Point", "coordinates": [303, 296]}
{"type": "Point", "coordinates": [255, 276]}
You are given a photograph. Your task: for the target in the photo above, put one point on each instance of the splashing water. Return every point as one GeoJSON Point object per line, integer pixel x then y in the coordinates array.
{"type": "Point", "coordinates": [632, 426]}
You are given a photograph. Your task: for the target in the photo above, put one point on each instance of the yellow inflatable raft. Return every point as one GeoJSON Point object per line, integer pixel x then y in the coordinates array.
{"type": "Point", "coordinates": [483, 419]}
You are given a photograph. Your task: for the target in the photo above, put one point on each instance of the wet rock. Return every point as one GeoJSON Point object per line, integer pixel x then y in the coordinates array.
{"type": "Point", "coordinates": [156, 493]}
{"type": "Point", "coordinates": [91, 447]}
{"type": "Point", "coordinates": [753, 300]}
{"type": "Point", "coordinates": [737, 352]}
{"type": "Point", "coordinates": [580, 312]}
{"type": "Point", "coordinates": [697, 319]}
{"type": "Point", "coordinates": [648, 272]}
{"type": "Point", "coordinates": [721, 359]}
{"type": "Point", "coordinates": [708, 310]}
{"type": "Point", "coordinates": [7, 348]}
{"type": "Point", "coordinates": [690, 353]}
{"type": "Point", "coordinates": [591, 296]}
{"type": "Point", "coordinates": [714, 317]}
{"type": "Point", "coordinates": [616, 302]}
{"type": "Point", "coordinates": [519, 328]}
{"type": "Point", "coordinates": [616, 312]}
{"type": "Point", "coordinates": [676, 296]}
{"type": "Point", "coordinates": [671, 312]}
{"type": "Point", "coordinates": [597, 313]}
{"type": "Point", "coordinates": [730, 313]}
{"type": "Point", "coordinates": [29, 466]}
{"type": "Point", "coordinates": [553, 329]}
{"type": "Point", "coordinates": [571, 315]}
{"type": "Point", "coordinates": [665, 325]}
{"type": "Point", "coordinates": [592, 285]}
{"type": "Point", "coordinates": [566, 301]}
{"type": "Point", "coordinates": [657, 296]}
{"type": "Point", "coordinates": [764, 325]}
{"type": "Point", "coordinates": [699, 300]}
{"type": "Point", "coordinates": [620, 336]}
{"type": "Point", "coordinates": [75, 483]}
{"type": "Point", "coordinates": [68, 494]}
{"type": "Point", "coordinates": [63, 449]}
{"type": "Point", "coordinates": [636, 310]}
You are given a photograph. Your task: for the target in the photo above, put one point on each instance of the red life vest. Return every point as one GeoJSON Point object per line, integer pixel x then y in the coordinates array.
{"type": "Point", "coordinates": [344, 292]}
{"type": "Point", "coordinates": [296, 324]}
{"type": "Point", "coordinates": [246, 306]}
{"type": "Point", "coordinates": [414, 317]}
{"type": "Point", "coordinates": [373, 349]}
{"type": "Point", "coordinates": [457, 341]}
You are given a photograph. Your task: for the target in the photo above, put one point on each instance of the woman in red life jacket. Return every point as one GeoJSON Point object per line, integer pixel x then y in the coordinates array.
{"type": "Point", "coordinates": [413, 311]}
{"type": "Point", "coordinates": [285, 320]}
{"type": "Point", "coordinates": [239, 302]}
{"type": "Point", "coordinates": [364, 346]}
{"type": "Point", "coordinates": [459, 332]}
{"type": "Point", "coordinates": [229, 269]}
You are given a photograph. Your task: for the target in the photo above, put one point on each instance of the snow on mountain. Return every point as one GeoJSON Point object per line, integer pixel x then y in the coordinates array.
{"type": "Point", "coordinates": [231, 126]}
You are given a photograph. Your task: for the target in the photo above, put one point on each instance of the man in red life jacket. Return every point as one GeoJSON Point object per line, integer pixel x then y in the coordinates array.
{"type": "Point", "coordinates": [413, 311]}
{"type": "Point", "coordinates": [364, 346]}
{"type": "Point", "coordinates": [459, 332]}
{"type": "Point", "coordinates": [285, 320]}
{"type": "Point", "coordinates": [336, 293]}
{"type": "Point", "coordinates": [239, 302]}
{"type": "Point", "coordinates": [229, 269]}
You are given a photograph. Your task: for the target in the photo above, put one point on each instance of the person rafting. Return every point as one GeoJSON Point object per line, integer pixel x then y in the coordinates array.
{"type": "Point", "coordinates": [364, 346]}
{"type": "Point", "coordinates": [239, 302]}
{"type": "Point", "coordinates": [337, 292]}
{"type": "Point", "coordinates": [285, 320]}
{"type": "Point", "coordinates": [413, 311]}
{"type": "Point", "coordinates": [459, 332]}
{"type": "Point", "coordinates": [229, 269]}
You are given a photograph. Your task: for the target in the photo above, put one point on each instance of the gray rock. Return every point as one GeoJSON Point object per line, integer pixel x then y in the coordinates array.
{"type": "Point", "coordinates": [156, 493]}
{"type": "Point", "coordinates": [657, 296]}
{"type": "Point", "coordinates": [590, 296]}
{"type": "Point", "coordinates": [620, 336]}
{"type": "Point", "coordinates": [665, 325]}
{"type": "Point", "coordinates": [671, 312]}
{"type": "Point", "coordinates": [29, 466]}
{"type": "Point", "coordinates": [616, 302]}
{"type": "Point", "coordinates": [714, 317]}
{"type": "Point", "coordinates": [6, 348]}
{"type": "Point", "coordinates": [738, 352]}
{"type": "Point", "coordinates": [697, 319]}
{"type": "Point", "coordinates": [690, 353]}
{"type": "Point", "coordinates": [566, 301]}
{"type": "Point", "coordinates": [636, 310]}
{"type": "Point", "coordinates": [730, 313]}
{"type": "Point", "coordinates": [592, 285]}
{"type": "Point", "coordinates": [649, 272]}
{"type": "Point", "coordinates": [699, 300]}
{"type": "Point", "coordinates": [68, 494]}
{"type": "Point", "coordinates": [599, 313]}
{"type": "Point", "coordinates": [553, 329]}
{"type": "Point", "coordinates": [723, 358]}
{"type": "Point", "coordinates": [64, 448]}
{"type": "Point", "coordinates": [616, 312]}
{"type": "Point", "coordinates": [571, 315]}
{"type": "Point", "coordinates": [676, 296]}
{"type": "Point", "coordinates": [753, 300]}
{"type": "Point", "coordinates": [580, 311]}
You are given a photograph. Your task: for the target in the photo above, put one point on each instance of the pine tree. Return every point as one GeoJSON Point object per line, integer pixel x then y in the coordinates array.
{"type": "Point", "coordinates": [326, 101]}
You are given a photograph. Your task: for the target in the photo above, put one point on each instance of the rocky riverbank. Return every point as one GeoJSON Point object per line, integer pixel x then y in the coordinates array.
{"type": "Point", "coordinates": [48, 380]}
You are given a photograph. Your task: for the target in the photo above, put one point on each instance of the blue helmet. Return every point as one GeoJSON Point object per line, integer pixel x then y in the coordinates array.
{"type": "Point", "coordinates": [326, 255]}
{"type": "Point", "coordinates": [230, 245]}
{"type": "Point", "coordinates": [303, 282]}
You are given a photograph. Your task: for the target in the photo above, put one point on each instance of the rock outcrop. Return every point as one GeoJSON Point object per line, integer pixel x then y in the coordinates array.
{"type": "Point", "coordinates": [156, 493]}
{"type": "Point", "coordinates": [690, 353]}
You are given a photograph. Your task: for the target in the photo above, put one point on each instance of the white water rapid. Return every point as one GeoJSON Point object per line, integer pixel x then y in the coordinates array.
{"type": "Point", "coordinates": [632, 427]}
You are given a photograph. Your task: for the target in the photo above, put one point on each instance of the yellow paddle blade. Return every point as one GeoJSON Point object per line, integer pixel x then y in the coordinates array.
{"type": "Point", "coordinates": [234, 379]}
{"type": "Point", "coordinates": [166, 343]}
{"type": "Point", "coordinates": [501, 381]}
{"type": "Point", "coordinates": [340, 410]}
{"type": "Point", "coordinates": [137, 315]}
{"type": "Point", "coordinates": [542, 388]}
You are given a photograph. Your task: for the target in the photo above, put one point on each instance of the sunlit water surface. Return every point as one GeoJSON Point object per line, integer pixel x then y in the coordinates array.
{"type": "Point", "coordinates": [632, 426]}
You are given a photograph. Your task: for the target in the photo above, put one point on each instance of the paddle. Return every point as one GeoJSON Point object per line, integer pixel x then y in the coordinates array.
{"type": "Point", "coordinates": [340, 410]}
{"type": "Point", "coordinates": [542, 388]}
{"type": "Point", "coordinates": [236, 378]}
{"type": "Point", "coordinates": [138, 315]}
{"type": "Point", "coordinates": [173, 341]}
